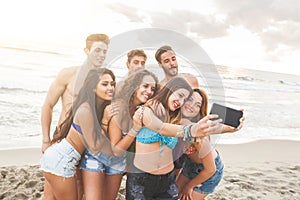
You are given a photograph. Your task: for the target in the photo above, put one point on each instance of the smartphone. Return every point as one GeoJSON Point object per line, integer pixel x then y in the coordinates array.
{"type": "Point", "coordinates": [229, 116]}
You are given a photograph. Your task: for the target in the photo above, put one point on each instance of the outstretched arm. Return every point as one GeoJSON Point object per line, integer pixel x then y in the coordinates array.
{"type": "Point", "coordinates": [230, 129]}
{"type": "Point", "coordinates": [204, 127]}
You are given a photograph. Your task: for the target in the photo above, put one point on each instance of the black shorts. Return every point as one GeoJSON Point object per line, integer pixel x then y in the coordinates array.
{"type": "Point", "coordinates": [143, 185]}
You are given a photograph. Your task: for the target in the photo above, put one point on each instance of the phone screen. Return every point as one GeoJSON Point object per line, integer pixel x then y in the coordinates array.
{"type": "Point", "coordinates": [229, 116]}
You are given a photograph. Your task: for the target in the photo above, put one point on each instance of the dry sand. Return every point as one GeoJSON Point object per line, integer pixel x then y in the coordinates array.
{"type": "Point", "coordinates": [265, 169]}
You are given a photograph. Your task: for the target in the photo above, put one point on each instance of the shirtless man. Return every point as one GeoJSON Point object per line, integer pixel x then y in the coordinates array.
{"type": "Point", "coordinates": [166, 58]}
{"type": "Point", "coordinates": [63, 87]}
{"type": "Point", "coordinates": [136, 59]}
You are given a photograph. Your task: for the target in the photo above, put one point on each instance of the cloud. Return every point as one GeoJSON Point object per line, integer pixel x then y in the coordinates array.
{"type": "Point", "coordinates": [179, 20]}
{"type": "Point", "coordinates": [276, 22]}
{"type": "Point", "coordinates": [204, 26]}
{"type": "Point", "coordinates": [130, 12]}
{"type": "Point", "coordinates": [282, 35]}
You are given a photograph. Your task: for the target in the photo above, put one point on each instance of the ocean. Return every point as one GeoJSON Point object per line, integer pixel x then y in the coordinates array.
{"type": "Point", "coordinates": [270, 100]}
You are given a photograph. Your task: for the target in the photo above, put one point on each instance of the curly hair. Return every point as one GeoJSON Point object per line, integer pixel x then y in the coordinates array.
{"type": "Point", "coordinates": [127, 92]}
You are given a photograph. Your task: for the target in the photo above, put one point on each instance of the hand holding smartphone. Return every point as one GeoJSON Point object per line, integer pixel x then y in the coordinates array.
{"type": "Point", "coordinates": [229, 116]}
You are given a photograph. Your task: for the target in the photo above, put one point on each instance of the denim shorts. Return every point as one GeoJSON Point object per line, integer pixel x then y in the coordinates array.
{"type": "Point", "coordinates": [191, 170]}
{"type": "Point", "coordinates": [60, 159]}
{"type": "Point", "coordinates": [143, 186]}
{"type": "Point", "coordinates": [103, 163]}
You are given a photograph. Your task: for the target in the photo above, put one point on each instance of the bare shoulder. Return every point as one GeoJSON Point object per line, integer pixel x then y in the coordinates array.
{"type": "Point", "coordinates": [85, 107]}
{"type": "Point", "coordinates": [66, 75]}
{"type": "Point", "coordinates": [83, 111]}
{"type": "Point", "coordinates": [68, 71]}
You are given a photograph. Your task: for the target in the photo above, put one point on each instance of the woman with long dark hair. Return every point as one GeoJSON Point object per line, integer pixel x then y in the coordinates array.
{"type": "Point", "coordinates": [154, 176]}
{"type": "Point", "coordinates": [203, 168]}
{"type": "Point", "coordinates": [80, 130]}
{"type": "Point", "coordinates": [104, 173]}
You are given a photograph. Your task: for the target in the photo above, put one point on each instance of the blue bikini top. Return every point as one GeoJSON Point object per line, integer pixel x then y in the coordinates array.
{"type": "Point", "coordinates": [148, 136]}
{"type": "Point", "coordinates": [77, 128]}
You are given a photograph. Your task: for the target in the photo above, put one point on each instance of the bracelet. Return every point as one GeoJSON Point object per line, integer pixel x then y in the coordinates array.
{"type": "Point", "coordinates": [191, 133]}
{"type": "Point", "coordinates": [132, 135]}
{"type": "Point", "coordinates": [185, 132]}
{"type": "Point", "coordinates": [180, 132]}
{"type": "Point", "coordinates": [161, 128]}
{"type": "Point", "coordinates": [191, 138]}
{"type": "Point", "coordinates": [104, 124]}
{"type": "Point", "coordinates": [135, 130]}
{"type": "Point", "coordinates": [46, 142]}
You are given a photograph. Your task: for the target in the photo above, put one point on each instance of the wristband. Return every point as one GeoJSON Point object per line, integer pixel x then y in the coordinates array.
{"type": "Point", "coordinates": [185, 132]}
{"type": "Point", "coordinates": [180, 132]}
{"type": "Point", "coordinates": [135, 130]}
{"type": "Point", "coordinates": [132, 135]}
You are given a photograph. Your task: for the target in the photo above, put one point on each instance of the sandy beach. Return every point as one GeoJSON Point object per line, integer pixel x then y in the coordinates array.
{"type": "Point", "coordinates": [264, 169]}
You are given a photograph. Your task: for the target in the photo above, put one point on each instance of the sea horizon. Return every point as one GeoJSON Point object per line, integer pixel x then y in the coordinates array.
{"type": "Point", "coordinates": [270, 99]}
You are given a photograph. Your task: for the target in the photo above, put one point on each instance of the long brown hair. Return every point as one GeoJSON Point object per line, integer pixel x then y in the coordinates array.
{"type": "Point", "coordinates": [204, 105]}
{"type": "Point", "coordinates": [86, 94]}
{"type": "Point", "coordinates": [127, 91]}
{"type": "Point", "coordinates": [202, 113]}
{"type": "Point", "coordinates": [163, 97]}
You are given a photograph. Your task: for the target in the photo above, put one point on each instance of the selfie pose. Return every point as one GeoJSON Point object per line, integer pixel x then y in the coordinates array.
{"type": "Point", "coordinates": [203, 168]}
{"type": "Point", "coordinates": [153, 175]}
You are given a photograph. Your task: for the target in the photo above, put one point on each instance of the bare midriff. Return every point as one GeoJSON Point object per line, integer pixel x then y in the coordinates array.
{"type": "Point", "coordinates": [154, 158]}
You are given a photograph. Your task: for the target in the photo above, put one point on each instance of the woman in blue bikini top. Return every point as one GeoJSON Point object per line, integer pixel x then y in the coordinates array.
{"type": "Point", "coordinates": [153, 174]}
{"type": "Point", "coordinates": [147, 136]}
{"type": "Point", "coordinates": [153, 150]}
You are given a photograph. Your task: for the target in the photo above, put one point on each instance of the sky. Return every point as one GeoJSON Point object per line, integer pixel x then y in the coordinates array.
{"type": "Point", "coordinates": [255, 34]}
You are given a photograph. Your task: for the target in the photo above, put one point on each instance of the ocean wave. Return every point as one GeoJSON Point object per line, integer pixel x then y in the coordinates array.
{"type": "Point", "coordinates": [30, 50]}
{"type": "Point", "coordinates": [19, 89]}
{"type": "Point", "coordinates": [289, 83]}
{"type": "Point", "coordinates": [261, 88]}
{"type": "Point", "coordinates": [243, 78]}
{"type": "Point", "coordinates": [13, 66]}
